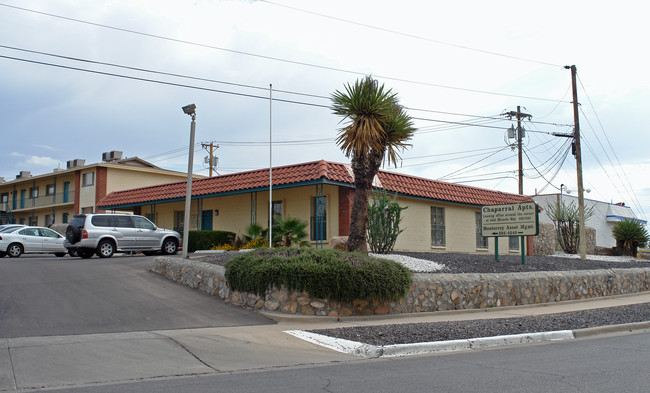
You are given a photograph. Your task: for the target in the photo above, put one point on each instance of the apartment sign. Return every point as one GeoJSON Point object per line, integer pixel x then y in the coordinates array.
{"type": "Point", "coordinates": [517, 219]}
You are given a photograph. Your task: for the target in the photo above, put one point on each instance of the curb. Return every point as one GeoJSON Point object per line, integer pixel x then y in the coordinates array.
{"type": "Point", "coordinates": [397, 350]}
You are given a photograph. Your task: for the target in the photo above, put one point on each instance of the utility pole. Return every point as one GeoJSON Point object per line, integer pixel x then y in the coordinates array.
{"type": "Point", "coordinates": [576, 140]}
{"type": "Point", "coordinates": [519, 115]}
{"type": "Point", "coordinates": [211, 149]}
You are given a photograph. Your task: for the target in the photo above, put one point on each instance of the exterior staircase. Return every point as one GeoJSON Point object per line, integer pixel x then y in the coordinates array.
{"type": "Point", "coordinates": [6, 217]}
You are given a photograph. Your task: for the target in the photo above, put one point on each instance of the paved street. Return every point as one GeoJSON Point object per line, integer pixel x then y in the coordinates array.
{"type": "Point", "coordinates": [615, 363]}
{"type": "Point", "coordinates": [46, 296]}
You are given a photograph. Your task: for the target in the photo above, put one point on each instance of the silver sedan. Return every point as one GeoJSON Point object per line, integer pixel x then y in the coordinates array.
{"type": "Point", "coordinates": [28, 239]}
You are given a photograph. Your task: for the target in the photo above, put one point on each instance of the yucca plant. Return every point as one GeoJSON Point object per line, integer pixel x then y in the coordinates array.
{"type": "Point", "coordinates": [377, 126]}
{"type": "Point", "coordinates": [630, 235]}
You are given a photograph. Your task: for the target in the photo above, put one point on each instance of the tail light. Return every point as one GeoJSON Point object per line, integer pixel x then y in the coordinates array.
{"type": "Point", "coordinates": [84, 234]}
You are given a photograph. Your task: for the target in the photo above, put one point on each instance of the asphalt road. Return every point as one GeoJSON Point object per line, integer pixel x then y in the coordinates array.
{"type": "Point", "coordinates": [45, 296]}
{"type": "Point", "coordinates": [616, 363]}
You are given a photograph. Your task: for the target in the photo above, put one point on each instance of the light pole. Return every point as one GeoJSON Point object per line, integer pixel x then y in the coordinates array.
{"type": "Point", "coordinates": [189, 110]}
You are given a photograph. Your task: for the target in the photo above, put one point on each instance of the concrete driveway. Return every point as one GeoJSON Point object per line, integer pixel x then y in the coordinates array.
{"type": "Point", "coordinates": [46, 296]}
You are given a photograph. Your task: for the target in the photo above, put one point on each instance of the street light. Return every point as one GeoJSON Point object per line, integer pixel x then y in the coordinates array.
{"type": "Point", "coordinates": [191, 111]}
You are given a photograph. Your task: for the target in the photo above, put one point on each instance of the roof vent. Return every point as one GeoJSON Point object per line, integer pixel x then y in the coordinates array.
{"type": "Point", "coordinates": [23, 175]}
{"type": "Point", "coordinates": [75, 163]}
{"type": "Point", "coordinates": [110, 156]}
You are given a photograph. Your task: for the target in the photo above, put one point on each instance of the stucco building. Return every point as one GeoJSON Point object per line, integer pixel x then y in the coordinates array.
{"type": "Point", "coordinates": [440, 216]}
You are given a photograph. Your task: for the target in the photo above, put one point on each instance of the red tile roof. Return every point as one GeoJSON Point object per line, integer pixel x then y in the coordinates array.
{"type": "Point", "coordinates": [309, 172]}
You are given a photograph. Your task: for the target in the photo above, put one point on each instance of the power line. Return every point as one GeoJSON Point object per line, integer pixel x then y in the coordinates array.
{"type": "Point", "coordinates": [414, 36]}
{"type": "Point", "coordinates": [130, 31]}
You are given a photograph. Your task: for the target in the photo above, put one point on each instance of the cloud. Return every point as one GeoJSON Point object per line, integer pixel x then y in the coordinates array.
{"type": "Point", "coordinates": [42, 161]}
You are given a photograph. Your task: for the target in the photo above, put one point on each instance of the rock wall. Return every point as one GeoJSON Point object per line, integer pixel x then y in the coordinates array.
{"type": "Point", "coordinates": [429, 292]}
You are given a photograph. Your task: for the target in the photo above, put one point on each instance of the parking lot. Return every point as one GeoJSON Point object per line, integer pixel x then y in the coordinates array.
{"type": "Point", "coordinates": [42, 295]}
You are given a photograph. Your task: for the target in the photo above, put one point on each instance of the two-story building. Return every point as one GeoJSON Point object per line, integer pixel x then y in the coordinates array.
{"type": "Point", "coordinates": [54, 197]}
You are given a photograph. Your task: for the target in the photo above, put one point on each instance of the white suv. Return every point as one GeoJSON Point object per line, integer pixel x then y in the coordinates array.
{"type": "Point", "coordinates": [104, 234]}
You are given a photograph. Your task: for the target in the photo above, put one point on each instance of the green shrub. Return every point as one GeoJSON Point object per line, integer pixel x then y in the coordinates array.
{"type": "Point", "coordinates": [384, 217]}
{"type": "Point", "coordinates": [324, 274]}
{"type": "Point", "coordinates": [205, 240]}
{"type": "Point", "coordinates": [629, 235]}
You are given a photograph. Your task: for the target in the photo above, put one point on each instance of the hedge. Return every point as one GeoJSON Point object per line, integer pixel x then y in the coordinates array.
{"type": "Point", "coordinates": [204, 240]}
{"type": "Point", "coordinates": [324, 274]}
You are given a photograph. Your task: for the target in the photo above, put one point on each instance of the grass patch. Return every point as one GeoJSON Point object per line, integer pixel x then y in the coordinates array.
{"type": "Point", "coordinates": [323, 274]}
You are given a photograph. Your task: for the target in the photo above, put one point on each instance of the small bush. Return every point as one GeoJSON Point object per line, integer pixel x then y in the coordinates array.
{"type": "Point", "coordinates": [629, 235]}
{"type": "Point", "coordinates": [325, 274]}
{"type": "Point", "coordinates": [205, 240]}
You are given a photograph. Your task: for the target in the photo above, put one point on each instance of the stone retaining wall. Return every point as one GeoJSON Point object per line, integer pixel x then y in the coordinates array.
{"type": "Point", "coordinates": [429, 292]}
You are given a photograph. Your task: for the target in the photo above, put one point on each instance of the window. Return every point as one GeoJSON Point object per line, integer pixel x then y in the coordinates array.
{"type": "Point", "coordinates": [33, 221]}
{"type": "Point", "coordinates": [4, 198]}
{"type": "Point", "coordinates": [33, 192]}
{"type": "Point", "coordinates": [86, 210]}
{"type": "Point", "coordinates": [179, 221]}
{"type": "Point", "coordinates": [276, 208]}
{"type": "Point", "coordinates": [318, 224]}
{"type": "Point", "coordinates": [49, 189]}
{"type": "Point", "coordinates": [64, 219]}
{"type": "Point", "coordinates": [122, 221]}
{"type": "Point", "coordinates": [49, 219]}
{"type": "Point", "coordinates": [143, 223]}
{"type": "Point", "coordinates": [481, 242]}
{"type": "Point", "coordinates": [49, 233]}
{"type": "Point", "coordinates": [513, 242]}
{"type": "Point", "coordinates": [88, 179]}
{"type": "Point", "coordinates": [438, 226]}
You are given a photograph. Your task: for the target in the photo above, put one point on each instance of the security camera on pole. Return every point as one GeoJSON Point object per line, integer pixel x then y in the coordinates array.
{"type": "Point", "coordinates": [189, 110]}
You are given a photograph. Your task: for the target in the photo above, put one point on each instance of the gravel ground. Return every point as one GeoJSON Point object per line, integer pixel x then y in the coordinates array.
{"type": "Point", "coordinates": [421, 262]}
{"type": "Point", "coordinates": [467, 263]}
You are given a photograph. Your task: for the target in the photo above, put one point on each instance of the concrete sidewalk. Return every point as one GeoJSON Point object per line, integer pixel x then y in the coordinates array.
{"type": "Point", "coordinates": [65, 361]}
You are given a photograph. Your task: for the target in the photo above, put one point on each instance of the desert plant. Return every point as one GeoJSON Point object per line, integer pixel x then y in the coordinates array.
{"type": "Point", "coordinates": [290, 231]}
{"type": "Point", "coordinates": [377, 127]}
{"type": "Point", "coordinates": [630, 235]}
{"type": "Point", "coordinates": [566, 220]}
{"type": "Point", "coordinates": [324, 274]}
{"type": "Point", "coordinates": [384, 217]}
{"type": "Point", "coordinates": [254, 231]}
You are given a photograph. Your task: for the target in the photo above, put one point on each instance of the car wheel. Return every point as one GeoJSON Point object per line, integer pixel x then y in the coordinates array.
{"type": "Point", "coordinates": [15, 250]}
{"type": "Point", "coordinates": [59, 254]}
{"type": "Point", "coordinates": [85, 254]}
{"type": "Point", "coordinates": [73, 234]}
{"type": "Point", "coordinates": [105, 249]}
{"type": "Point", "coordinates": [170, 246]}
{"type": "Point", "coordinates": [149, 253]}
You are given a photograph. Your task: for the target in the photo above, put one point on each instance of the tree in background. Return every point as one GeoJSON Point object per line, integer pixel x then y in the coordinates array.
{"type": "Point", "coordinates": [377, 126]}
{"type": "Point", "coordinates": [384, 218]}
{"type": "Point", "coordinates": [630, 235]}
{"type": "Point", "coordinates": [566, 220]}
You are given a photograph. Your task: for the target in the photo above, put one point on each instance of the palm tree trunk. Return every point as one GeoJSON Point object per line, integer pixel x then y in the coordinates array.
{"type": "Point", "coordinates": [364, 168]}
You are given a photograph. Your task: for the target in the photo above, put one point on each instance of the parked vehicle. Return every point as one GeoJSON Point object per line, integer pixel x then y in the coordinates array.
{"type": "Point", "coordinates": [104, 234]}
{"type": "Point", "coordinates": [26, 239]}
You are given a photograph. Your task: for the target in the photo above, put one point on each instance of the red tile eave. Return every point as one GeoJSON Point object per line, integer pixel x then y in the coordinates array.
{"type": "Point", "coordinates": [309, 171]}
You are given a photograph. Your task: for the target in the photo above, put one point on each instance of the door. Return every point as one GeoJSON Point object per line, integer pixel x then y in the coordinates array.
{"type": "Point", "coordinates": [31, 239]}
{"type": "Point", "coordinates": [206, 220]}
{"type": "Point", "coordinates": [52, 241]}
{"type": "Point", "coordinates": [66, 190]}
{"type": "Point", "coordinates": [146, 234]}
{"type": "Point", "coordinates": [123, 230]}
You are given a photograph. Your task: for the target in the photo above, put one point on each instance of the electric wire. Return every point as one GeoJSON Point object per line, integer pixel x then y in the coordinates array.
{"type": "Point", "coordinates": [413, 35]}
{"type": "Point", "coordinates": [130, 31]}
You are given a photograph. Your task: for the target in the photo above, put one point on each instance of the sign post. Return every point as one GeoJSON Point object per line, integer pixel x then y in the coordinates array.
{"type": "Point", "coordinates": [517, 219]}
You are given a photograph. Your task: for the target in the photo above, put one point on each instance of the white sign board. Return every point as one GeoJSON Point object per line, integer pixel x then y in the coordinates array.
{"type": "Point", "coordinates": [517, 219]}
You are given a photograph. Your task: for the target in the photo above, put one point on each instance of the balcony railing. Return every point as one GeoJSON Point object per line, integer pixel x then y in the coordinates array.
{"type": "Point", "coordinates": [59, 198]}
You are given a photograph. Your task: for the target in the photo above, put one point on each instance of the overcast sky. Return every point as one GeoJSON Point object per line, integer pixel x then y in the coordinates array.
{"type": "Point", "coordinates": [456, 66]}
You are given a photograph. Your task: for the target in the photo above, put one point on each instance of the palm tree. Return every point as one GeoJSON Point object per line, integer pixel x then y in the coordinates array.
{"type": "Point", "coordinates": [290, 231]}
{"type": "Point", "coordinates": [377, 127]}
